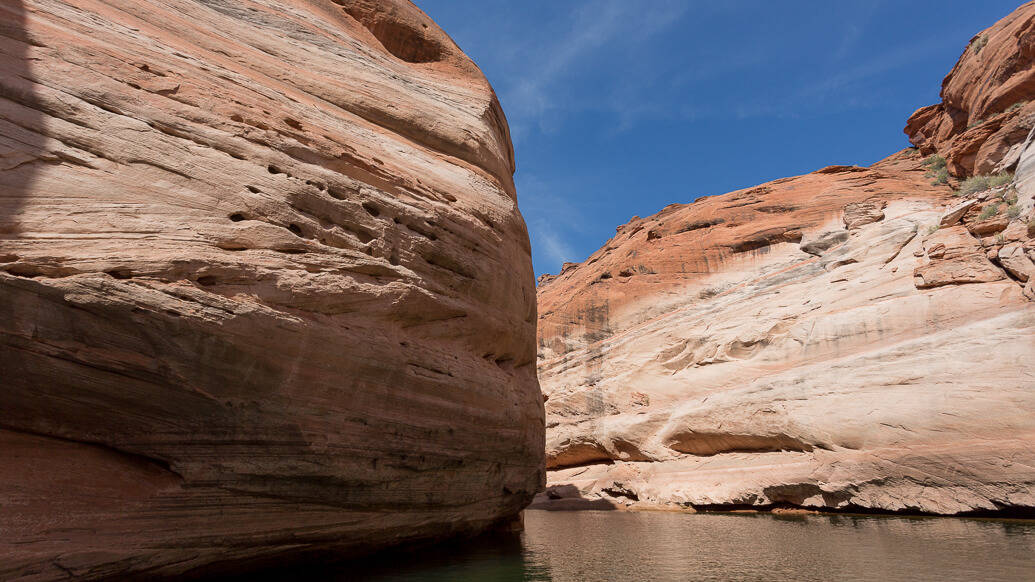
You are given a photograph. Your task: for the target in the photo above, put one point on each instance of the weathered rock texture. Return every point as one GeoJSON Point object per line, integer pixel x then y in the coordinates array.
{"type": "Point", "coordinates": [851, 339]}
{"type": "Point", "coordinates": [987, 103]}
{"type": "Point", "coordinates": [264, 287]}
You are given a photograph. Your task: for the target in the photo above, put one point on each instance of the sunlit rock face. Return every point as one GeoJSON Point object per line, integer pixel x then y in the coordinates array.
{"type": "Point", "coordinates": [851, 339]}
{"type": "Point", "coordinates": [987, 107]}
{"type": "Point", "coordinates": [264, 287]}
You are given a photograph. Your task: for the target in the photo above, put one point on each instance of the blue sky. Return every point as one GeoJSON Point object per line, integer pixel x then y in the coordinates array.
{"type": "Point", "coordinates": [620, 107]}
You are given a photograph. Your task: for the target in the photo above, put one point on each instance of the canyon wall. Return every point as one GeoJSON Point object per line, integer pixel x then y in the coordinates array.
{"type": "Point", "coordinates": [265, 292]}
{"type": "Point", "coordinates": [855, 339]}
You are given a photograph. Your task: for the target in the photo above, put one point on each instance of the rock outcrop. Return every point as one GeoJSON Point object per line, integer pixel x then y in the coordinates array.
{"type": "Point", "coordinates": [852, 339]}
{"type": "Point", "coordinates": [987, 103]}
{"type": "Point", "coordinates": [264, 288]}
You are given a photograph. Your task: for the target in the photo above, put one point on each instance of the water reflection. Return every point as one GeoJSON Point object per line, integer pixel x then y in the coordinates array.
{"type": "Point", "coordinates": [499, 558]}
{"type": "Point", "coordinates": [620, 546]}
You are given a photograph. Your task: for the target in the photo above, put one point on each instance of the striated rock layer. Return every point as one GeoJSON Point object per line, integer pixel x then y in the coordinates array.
{"type": "Point", "coordinates": [852, 339]}
{"type": "Point", "coordinates": [264, 287]}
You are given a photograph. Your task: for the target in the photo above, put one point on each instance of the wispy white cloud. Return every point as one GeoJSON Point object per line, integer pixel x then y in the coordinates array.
{"type": "Point", "coordinates": [552, 221]}
{"type": "Point", "coordinates": [594, 26]}
{"type": "Point", "coordinates": [556, 250]}
{"type": "Point", "coordinates": [857, 21]}
{"type": "Point", "coordinates": [850, 88]}
{"type": "Point", "coordinates": [874, 67]}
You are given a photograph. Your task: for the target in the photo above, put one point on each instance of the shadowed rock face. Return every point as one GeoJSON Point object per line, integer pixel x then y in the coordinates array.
{"type": "Point", "coordinates": [851, 339]}
{"type": "Point", "coordinates": [987, 107]}
{"type": "Point", "coordinates": [264, 287]}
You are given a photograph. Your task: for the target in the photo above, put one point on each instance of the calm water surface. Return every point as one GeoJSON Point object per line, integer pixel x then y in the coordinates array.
{"type": "Point", "coordinates": [619, 546]}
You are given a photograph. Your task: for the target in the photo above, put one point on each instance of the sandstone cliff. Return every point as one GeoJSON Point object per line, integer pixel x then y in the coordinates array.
{"type": "Point", "coordinates": [264, 287]}
{"type": "Point", "coordinates": [851, 339]}
{"type": "Point", "coordinates": [987, 107]}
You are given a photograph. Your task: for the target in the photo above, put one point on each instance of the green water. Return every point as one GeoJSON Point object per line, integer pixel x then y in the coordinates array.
{"type": "Point", "coordinates": [620, 546]}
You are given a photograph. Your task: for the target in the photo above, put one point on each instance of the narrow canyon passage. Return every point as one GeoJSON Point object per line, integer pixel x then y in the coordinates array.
{"type": "Point", "coordinates": [268, 310]}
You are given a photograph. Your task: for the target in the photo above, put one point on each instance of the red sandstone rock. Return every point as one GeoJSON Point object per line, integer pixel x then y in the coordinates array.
{"type": "Point", "coordinates": [986, 109]}
{"type": "Point", "coordinates": [858, 214]}
{"type": "Point", "coordinates": [774, 372]}
{"type": "Point", "coordinates": [1013, 258]}
{"type": "Point", "coordinates": [989, 226]}
{"type": "Point", "coordinates": [264, 287]}
{"type": "Point", "coordinates": [956, 212]}
{"type": "Point", "coordinates": [955, 257]}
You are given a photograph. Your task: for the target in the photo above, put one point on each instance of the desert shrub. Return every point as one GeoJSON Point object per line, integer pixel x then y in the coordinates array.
{"type": "Point", "coordinates": [940, 177]}
{"type": "Point", "coordinates": [1015, 106]}
{"type": "Point", "coordinates": [1000, 180]}
{"type": "Point", "coordinates": [933, 228]}
{"type": "Point", "coordinates": [1013, 211]}
{"type": "Point", "coordinates": [976, 184]}
{"type": "Point", "coordinates": [1000, 238]}
{"type": "Point", "coordinates": [989, 211]}
{"type": "Point", "coordinates": [979, 43]}
{"type": "Point", "coordinates": [934, 162]}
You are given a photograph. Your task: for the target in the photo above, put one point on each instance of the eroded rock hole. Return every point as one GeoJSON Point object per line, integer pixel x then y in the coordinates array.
{"type": "Point", "coordinates": [237, 217]}
{"type": "Point", "coordinates": [371, 209]}
{"type": "Point", "coordinates": [120, 273]}
{"type": "Point", "coordinates": [404, 41]}
{"type": "Point", "coordinates": [23, 270]}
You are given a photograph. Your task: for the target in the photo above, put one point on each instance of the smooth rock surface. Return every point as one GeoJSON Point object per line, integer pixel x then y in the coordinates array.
{"type": "Point", "coordinates": [891, 373]}
{"type": "Point", "coordinates": [1013, 258]}
{"type": "Point", "coordinates": [821, 243]}
{"type": "Point", "coordinates": [955, 212]}
{"type": "Point", "coordinates": [264, 288]}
